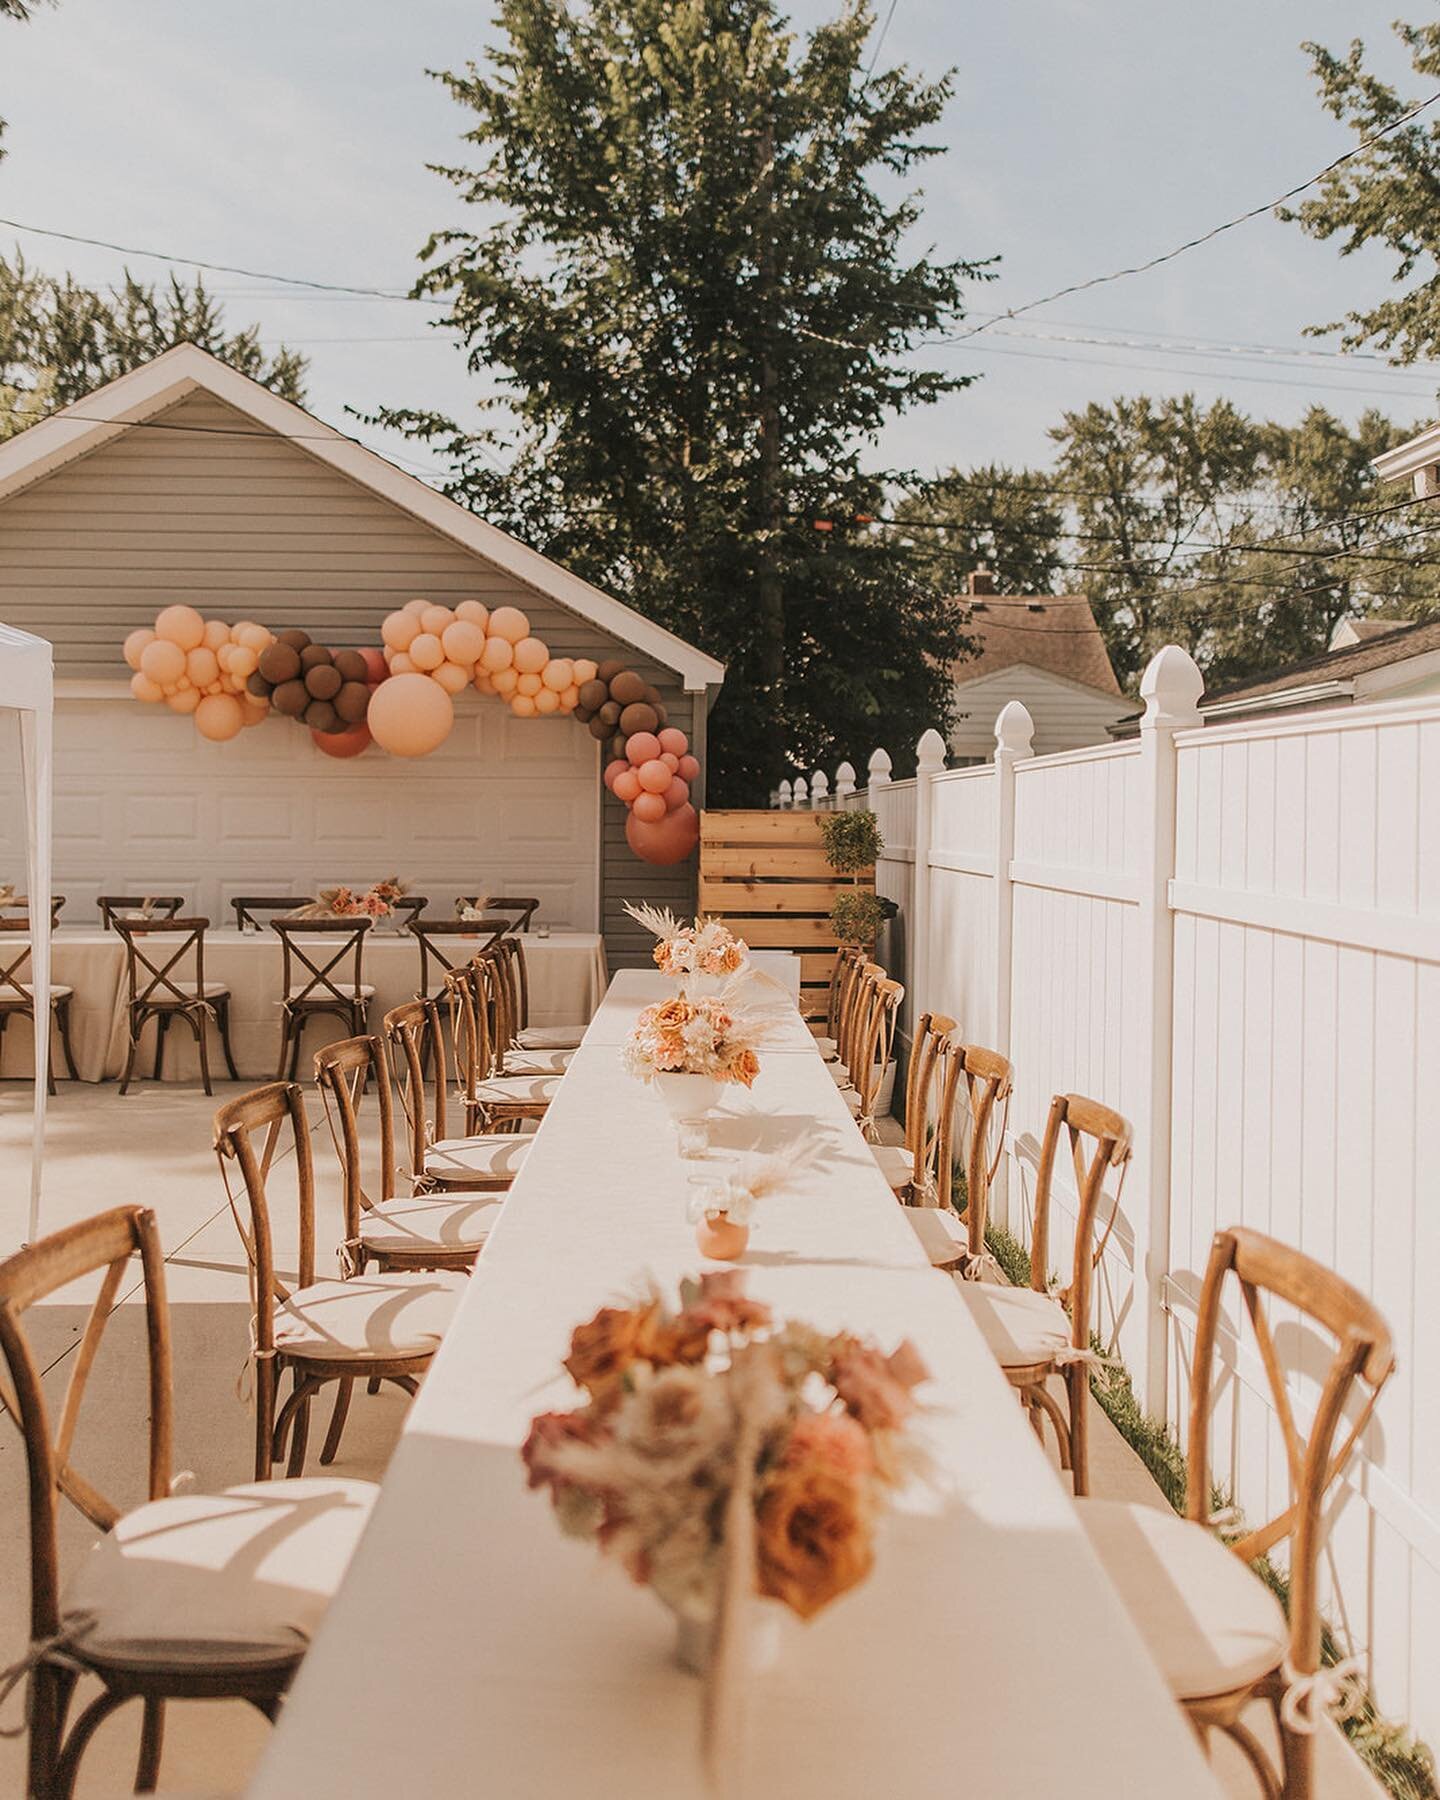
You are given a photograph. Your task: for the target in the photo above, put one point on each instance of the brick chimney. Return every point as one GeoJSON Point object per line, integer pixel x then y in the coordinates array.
{"type": "Point", "coordinates": [982, 581]}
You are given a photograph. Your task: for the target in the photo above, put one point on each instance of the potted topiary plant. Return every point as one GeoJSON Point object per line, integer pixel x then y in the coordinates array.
{"type": "Point", "coordinates": [853, 842]}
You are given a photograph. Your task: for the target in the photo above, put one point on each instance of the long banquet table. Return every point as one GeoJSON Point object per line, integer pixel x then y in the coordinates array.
{"type": "Point", "coordinates": [566, 969]}
{"type": "Point", "coordinates": [473, 1650]}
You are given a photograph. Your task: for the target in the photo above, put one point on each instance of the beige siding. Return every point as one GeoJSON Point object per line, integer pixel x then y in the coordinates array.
{"type": "Point", "coordinates": [204, 506]}
{"type": "Point", "coordinates": [1067, 716]}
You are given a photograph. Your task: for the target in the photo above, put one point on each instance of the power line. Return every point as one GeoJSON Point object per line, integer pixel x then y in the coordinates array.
{"type": "Point", "coordinates": [1205, 237]}
{"type": "Point", "coordinates": [879, 42]}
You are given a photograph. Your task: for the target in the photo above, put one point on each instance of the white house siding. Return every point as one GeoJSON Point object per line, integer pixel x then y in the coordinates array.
{"type": "Point", "coordinates": [1067, 715]}
{"type": "Point", "coordinates": [241, 523]}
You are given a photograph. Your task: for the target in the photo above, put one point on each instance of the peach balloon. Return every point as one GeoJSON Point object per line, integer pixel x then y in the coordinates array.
{"type": "Point", "coordinates": [451, 676]}
{"type": "Point", "coordinates": [585, 670]}
{"type": "Point", "coordinates": [510, 623]}
{"type": "Point", "coordinates": [642, 747]}
{"type": "Point", "coordinates": [257, 710]}
{"type": "Point", "coordinates": [669, 841]}
{"type": "Point", "coordinates": [400, 664]}
{"type": "Point", "coordinates": [219, 717]}
{"type": "Point", "coordinates": [343, 744]}
{"type": "Point", "coordinates": [689, 768]}
{"type": "Point", "coordinates": [503, 681]}
{"type": "Point", "coordinates": [531, 655]}
{"type": "Point", "coordinates": [523, 706]}
{"type": "Point", "coordinates": [183, 702]}
{"type": "Point", "coordinates": [136, 644]}
{"type": "Point", "coordinates": [499, 653]}
{"type": "Point", "coordinates": [474, 612]}
{"type": "Point", "coordinates": [181, 686]}
{"type": "Point", "coordinates": [400, 630]}
{"type": "Point", "coordinates": [528, 684]}
{"type": "Point", "coordinates": [217, 632]}
{"type": "Point", "coordinates": [626, 787]}
{"type": "Point", "coordinates": [558, 673]}
{"type": "Point", "coordinates": [649, 807]}
{"type": "Point", "coordinates": [547, 701]}
{"type": "Point", "coordinates": [674, 740]}
{"type": "Point", "coordinates": [144, 688]}
{"type": "Point", "coordinates": [570, 699]}
{"type": "Point", "coordinates": [410, 715]}
{"type": "Point", "coordinates": [254, 637]}
{"type": "Point", "coordinates": [202, 666]}
{"type": "Point", "coordinates": [214, 687]}
{"type": "Point", "coordinates": [242, 661]}
{"type": "Point", "coordinates": [670, 760]}
{"type": "Point", "coordinates": [182, 625]}
{"type": "Point", "coordinates": [436, 620]}
{"type": "Point", "coordinates": [416, 607]}
{"type": "Point", "coordinates": [676, 794]}
{"type": "Point", "coordinates": [464, 642]}
{"type": "Point", "coordinates": [163, 661]}
{"type": "Point", "coordinates": [653, 776]}
{"type": "Point", "coordinates": [426, 651]}
{"type": "Point", "coordinates": [484, 682]}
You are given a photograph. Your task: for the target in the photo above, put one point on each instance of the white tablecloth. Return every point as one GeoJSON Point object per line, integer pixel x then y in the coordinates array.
{"type": "Point", "coordinates": [474, 1650]}
{"type": "Point", "coordinates": [567, 980]}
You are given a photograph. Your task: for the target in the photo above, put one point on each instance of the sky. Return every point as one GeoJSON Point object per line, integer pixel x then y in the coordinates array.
{"type": "Point", "coordinates": [292, 137]}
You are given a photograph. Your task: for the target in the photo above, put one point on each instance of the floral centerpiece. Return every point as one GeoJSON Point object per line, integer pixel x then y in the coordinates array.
{"type": "Point", "coordinates": [688, 1050]}
{"type": "Point", "coordinates": [377, 902]}
{"type": "Point", "coordinates": [700, 957]}
{"type": "Point", "coordinates": [719, 1455]}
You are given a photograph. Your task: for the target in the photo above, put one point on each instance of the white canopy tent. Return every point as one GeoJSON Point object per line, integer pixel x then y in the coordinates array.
{"type": "Point", "coordinates": [27, 686]}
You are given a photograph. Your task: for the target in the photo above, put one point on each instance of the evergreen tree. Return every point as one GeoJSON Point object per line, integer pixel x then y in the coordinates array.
{"type": "Point", "coordinates": [698, 311]}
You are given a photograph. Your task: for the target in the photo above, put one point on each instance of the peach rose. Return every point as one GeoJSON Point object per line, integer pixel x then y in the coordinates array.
{"type": "Point", "coordinates": [813, 1540]}
{"type": "Point", "coordinates": [547, 1432]}
{"type": "Point", "coordinates": [874, 1387]}
{"type": "Point", "coordinates": [831, 1441]}
{"type": "Point", "coordinates": [744, 1067]}
{"type": "Point", "coordinates": [607, 1346]}
{"type": "Point", "coordinates": [723, 1304]}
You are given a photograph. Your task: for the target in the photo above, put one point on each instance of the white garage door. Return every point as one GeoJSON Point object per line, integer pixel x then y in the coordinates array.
{"type": "Point", "coordinates": [144, 805]}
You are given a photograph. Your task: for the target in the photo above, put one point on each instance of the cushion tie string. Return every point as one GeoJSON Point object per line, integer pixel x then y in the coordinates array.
{"type": "Point", "coordinates": [1337, 1690]}
{"type": "Point", "coordinates": [53, 1650]}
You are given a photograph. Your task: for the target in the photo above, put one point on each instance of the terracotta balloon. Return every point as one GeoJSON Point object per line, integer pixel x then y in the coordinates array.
{"type": "Point", "coordinates": [653, 776]}
{"type": "Point", "coordinates": [676, 794]}
{"type": "Point", "coordinates": [218, 717]}
{"type": "Point", "coordinates": [649, 807]}
{"type": "Point", "coordinates": [626, 786]}
{"type": "Point", "coordinates": [689, 768]}
{"type": "Point", "coordinates": [612, 769]}
{"type": "Point", "coordinates": [410, 715]}
{"type": "Point", "coordinates": [374, 664]}
{"type": "Point", "coordinates": [671, 761]}
{"type": "Point", "coordinates": [642, 747]}
{"type": "Point", "coordinates": [181, 625]}
{"type": "Point", "coordinates": [137, 642]}
{"type": "Point", "coordinates": [508, 622]}
{"type": "Point", "coordinates": [343, 744]}
{"type": "Point", "coordinates": [163, 661]}
{"type": "Point", "coordinates": [668, 840]}
{"type": "Point", "coordinates": [674, 740]}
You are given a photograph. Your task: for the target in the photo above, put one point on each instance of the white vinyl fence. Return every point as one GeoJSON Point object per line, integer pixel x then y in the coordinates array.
{"type": "Point", "coordinates": [1232, 935]}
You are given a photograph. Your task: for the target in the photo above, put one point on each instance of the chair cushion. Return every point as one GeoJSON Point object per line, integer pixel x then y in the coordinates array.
{"type": "Point", "coordinates": [320, 997]}
{"type": "Point", "coordinates": [1209, 1621]}
{"type": "Point", "coordinates": [234, 1579]}
{"type": "Point", "coordinates": [57, 991]}
{"type": "Point", "coordinates": [551, 1037]}
{"type": "Point", "coordinates": [421, 1222]}
{"type": "Point", "coordinates": [486, 1161]}
{"type": "Point", "coordinates": [517, 1090]}
{"type": "Point", "coordinates": [370, 1315]}
{"type": "Point", "coordinates": [537, 1062]}
{"type": "Point", "coordinates": [942, 1235]}
{"type": "Point", "coordinates": [839, 1074]}
{"type": "Point", "coordinates": [1020, 1326]}
{"type": "Point", "coordinates": [828, 1049]}
{"type": "Point", "coordinates": [895, 1163]}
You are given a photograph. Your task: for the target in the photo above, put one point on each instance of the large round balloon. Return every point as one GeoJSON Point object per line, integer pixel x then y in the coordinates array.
{"type": "Point", "coordinates": [341, 744]}
{"type": "Point", "coordinates": [667, 840]}
{"type": "Point", "coordinates": [410, 715]}
{"type": "Point", "coordinates": [218, 717]}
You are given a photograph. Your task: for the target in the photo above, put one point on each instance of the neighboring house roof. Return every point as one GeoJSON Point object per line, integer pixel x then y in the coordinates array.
{"type": "Point", "coordinates": [1332, 667]}
{"type": "Point", "coordinates": [111, 410]}
{"type": "Point", "coordinates": [1360, 631]}
{"type": "Point", "coordinates": [1054, 632]}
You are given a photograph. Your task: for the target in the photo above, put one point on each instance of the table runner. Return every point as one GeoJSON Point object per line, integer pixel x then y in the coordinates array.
{"type": "Point", "coordinates": [567, 980]}
{"type": "Point", "coordinates": [473, 1650]}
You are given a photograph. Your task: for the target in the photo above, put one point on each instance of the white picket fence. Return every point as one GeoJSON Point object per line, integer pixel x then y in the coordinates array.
{"type": "Point", "coordinates": [1231, 934]}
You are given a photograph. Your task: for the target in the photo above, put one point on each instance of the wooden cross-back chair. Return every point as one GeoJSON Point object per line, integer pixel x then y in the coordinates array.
{"type": "Point", "coordinates": [166, 1605]}
{"type": "Point", "coordinates": [1215, 1629]}
{"type": "Point", "coordinates": [380, 1327]}
{"type": "Point", "coordinates": [506, 962]}
{"type": "Point", "coordinates": [148, 906]}
{"type": "Point", "coordinates": [254, 909]}
{"type": "Point", "coordinates": [463, 938]}
{"type": "Point", "coordinates": [1033, 1333]}
{"type": "Point", "coordinates": [438, 1163]}
{"type": "Point", "coordinates": [320, 979]}
{"type": "Point", "coordinates": [165, 973]}
{"type": "Point", "coordinates": [518, 909]}
{"type": "Point", "coordinates": [409, 906]}
{"type": "Point", "coordinates": [17, 992]}
{"type": "Point", "coordinates": [528, 1036]}
{"type": "Point", "coordinates": [476, 1003]}
{"type": "Point", "coordinates": [843, 973]}
{"type": "Point", "coordinates": [411, 1231]}
{"type": "Point", "coordinates": [870, 1043]}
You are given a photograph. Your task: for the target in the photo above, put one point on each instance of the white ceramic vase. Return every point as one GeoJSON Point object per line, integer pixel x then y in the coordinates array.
{"type": "Point", "coordinates": [688, 1096]}
{"type": "Point", "coordinates": [761, 1624]}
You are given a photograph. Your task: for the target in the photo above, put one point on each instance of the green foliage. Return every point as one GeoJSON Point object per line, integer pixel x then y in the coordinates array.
{"type": "Point", "coordinates": [79, 338]}
{"type": "Point", "coordinates": [22, 10]}
{"type": "Point", "coordinates": [1385, 195]}
{"type": "Point", "coordinates": [1002, 519]}
{"type": "Point", "coordinates": [694, 306]}
{"type": "Point", "coordinates": [852, 841]}
{"type": "Point", "coordinates": [857, 915]}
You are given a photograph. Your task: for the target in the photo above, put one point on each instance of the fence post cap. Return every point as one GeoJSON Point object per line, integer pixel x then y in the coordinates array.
{"type": "Point", "coordinates": [819, 782]}
{"type": "Point", "coordinates": [930, 752]}
{"type": "Point", "coordinates": [879, 766]}
{"type": "Point", "coordinates": [1171, 688]}
{"type": "Point", "coordinates": [1014, 729]}
{"type": "Point", "coordinates": [846, 772]}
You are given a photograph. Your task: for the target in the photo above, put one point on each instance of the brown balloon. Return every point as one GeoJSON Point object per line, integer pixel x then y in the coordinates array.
{"type": "Point", "coordinates": [638, 717]}
{"type": "Point", "coordinates": [258, 686]}
{"type": "Point", "coordinates": [652, 694]}
{"type": "Point", "coordinates": [627, 687]}
{"type": "Point", "coordinates": [352, 702]}
{"type": "Point", "coordinates": [584, 714]}
{"type": "Point", "coordinates": [297, 640]}
{"type": "Point", "coordinates": [323, 680]}
{"type": "Point", "coordinates": [598, 729]}
{"type": "Point", "coordinates": [279, 662]}
{"type": "Point", "coordinates": [594, 694]}
{"type": "Point", "coordinates": [320, 715]}
{"type": "Point", "coordinates": [662, 718]}
{"type": "Point", "coordinates": [351, 665]}
{"type": "Point", "coordinates": [608, 671]}
{"type": "Point", "coordinates": [609, 714]}
{"type": "Point", "coordinates": [314, 656]}
{"type": "Point", "coordinates": [290, 698]}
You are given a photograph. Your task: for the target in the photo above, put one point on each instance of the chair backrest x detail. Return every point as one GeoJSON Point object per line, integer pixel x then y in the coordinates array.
{"type": "Point", "coordinates": [326, 973]}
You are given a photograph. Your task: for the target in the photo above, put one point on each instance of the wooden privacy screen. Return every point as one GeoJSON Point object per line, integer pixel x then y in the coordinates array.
{"type": "Point", "coordinates": [765, 875]}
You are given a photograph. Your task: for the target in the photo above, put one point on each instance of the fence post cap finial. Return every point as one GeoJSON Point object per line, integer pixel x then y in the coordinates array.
{"type": "Point", "coordinates": [930, 752]}
{"type": "Point", "coordinates": [1171, 688]}
{"type": "Point", "coordinates": [846, 772]}
{"type": "Point", "coordinates": [819, 783]}
{"type": "Point", "coordinates": [785, 793]}
{"type": "Point", "coordinates": [1014, 728]}
{"type": "Point", "coordinates": [879, 767]}
{"type": "Point", "coordinates": [800, 789]}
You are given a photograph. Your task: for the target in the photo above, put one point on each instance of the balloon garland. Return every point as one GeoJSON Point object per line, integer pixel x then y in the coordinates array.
{"type": "Point", "coordinates": [402, 696]}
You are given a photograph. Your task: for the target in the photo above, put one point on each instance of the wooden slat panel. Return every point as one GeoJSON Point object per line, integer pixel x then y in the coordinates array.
{"type": "Point", "coordinates": [765, 896]}
{"type": "Point", "coordinates": [747, 861]}
{"type": "Point", "coordinates": [759, 827]}
{"type": "Point", "coordinates": [783, 934]}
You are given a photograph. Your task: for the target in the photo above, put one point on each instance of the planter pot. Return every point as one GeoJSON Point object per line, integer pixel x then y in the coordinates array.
{"type": "Point", "coordinates": [761, 1624]}
{"type": "Point", "coordinates": [720, 1239]}
{"type": "Point", "coordinates": [688, 1096]}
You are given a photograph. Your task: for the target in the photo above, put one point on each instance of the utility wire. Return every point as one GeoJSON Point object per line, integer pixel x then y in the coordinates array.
{"type": "Point", "coordinates": [880, 41]}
